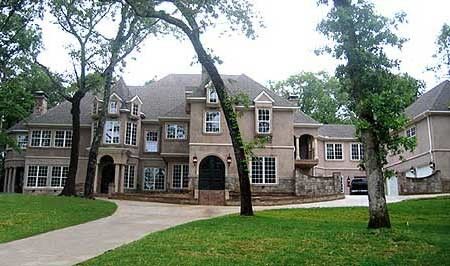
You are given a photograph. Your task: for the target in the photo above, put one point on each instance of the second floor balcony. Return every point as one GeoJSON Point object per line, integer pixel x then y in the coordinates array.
{"type": "Point", "coordinates": [305, 151]}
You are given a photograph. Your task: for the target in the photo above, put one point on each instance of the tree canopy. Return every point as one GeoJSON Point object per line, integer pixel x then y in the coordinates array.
{"type": "Point", "coordinates": [442, 54]}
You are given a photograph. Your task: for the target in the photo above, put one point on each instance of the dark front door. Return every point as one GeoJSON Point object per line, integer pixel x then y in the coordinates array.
{"type": "Point", "coordinates": [108, 173]}
{"type": "Point", "coordinates": [212, 174]}
{"type": "Point", "coordinates": [19, 180]}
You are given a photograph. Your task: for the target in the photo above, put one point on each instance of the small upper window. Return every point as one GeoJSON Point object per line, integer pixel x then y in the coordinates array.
{"type": "Point", "coordinates": [175, 131]}
{"type": "Point", "coordinates": [263, 121]}
{"type": "Point", "coordinates": [134, 109]}
{"type": "Point", "coordinates": [151, 141]}
{"type": "Point", "coordinates": [113, 107]}
{"type": "Point", "coordinates": [212, 95]}
{"type": "Point", "coordinates": [41, 138]}
{"type": "Point", "coordinates": [22, 141]}
{"type": "Point", "coordinates": [212, 122]}
{"type": "Point", "coordinates": [63, 138]}
{"type": "Point", "coordinates": [334, 151]}
{"type": "Point", "coordinates": [357, 152]}
{"type": "Point", "coordinates": [411, 132]}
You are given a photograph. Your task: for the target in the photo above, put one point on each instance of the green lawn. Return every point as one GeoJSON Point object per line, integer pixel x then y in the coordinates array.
{"type": "Point", "coordinates": [26, 215]}
{"type": "Point", "coordinates": [335, 236]}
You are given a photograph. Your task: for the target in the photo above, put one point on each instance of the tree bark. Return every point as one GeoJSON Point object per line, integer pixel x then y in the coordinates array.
{"type": "Point", "coordinates": [69, 188]}
{"type": "Point", "coordinates": [378, 211]}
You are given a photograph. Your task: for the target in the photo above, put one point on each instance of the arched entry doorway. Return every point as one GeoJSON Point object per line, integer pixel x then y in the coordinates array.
{"type": "Point", "coordinates": [107, 169]}
{"type": "Point", "coordinates": [211, 181]}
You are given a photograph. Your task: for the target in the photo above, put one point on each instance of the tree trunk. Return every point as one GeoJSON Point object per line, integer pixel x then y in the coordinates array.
{"type": "Point", "coordinates": [96, 141]}
{"type": "Point", "coordinates": [378, 212]}
{"type": "Point", "coordinates": [232, 123]}
{"type": "Point", "coordinates": [69, 188]}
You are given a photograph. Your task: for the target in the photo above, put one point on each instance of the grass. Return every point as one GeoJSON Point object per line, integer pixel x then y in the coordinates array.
{"type": "Point", "coordinates": [26, 215]}
{"type": "Point", "coordinates": [334, 236]}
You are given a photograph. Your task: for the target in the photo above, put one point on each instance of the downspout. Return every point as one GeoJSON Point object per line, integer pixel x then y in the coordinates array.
{"type": "Point", "coordinates": [429, 137]}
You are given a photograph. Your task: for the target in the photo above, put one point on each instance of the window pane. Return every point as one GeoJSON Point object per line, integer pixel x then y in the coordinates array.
{"type": "Point", "coordinates": [151, 144]}
{"type": "Point", "coordinates": [269, 170]}
{"type": "Point", "coordinates": [330, 151]}
{"type": "Point", "coordinates": [257, 170]}
{"type": "Point", "coordinates": [171, 131]}
{"type": "Point", "coordinates": [176, 176]}
{"type": "Point", "coordinates": [180, 132]}
{"type": "Point", "coordinates": [59, 138]}
{"type": "Point", "coordinates": [185, 176]}
{"type": "Point", "coordinates": [212, 122]}
{"type": "Point", "coordinates": [42, 176]}
{"type": "Point", "coordinates": [338, 151]}
{"type": "Point", "coordinates": [32, 175]}
{"type": "Point", "coordinates": [263, 120]}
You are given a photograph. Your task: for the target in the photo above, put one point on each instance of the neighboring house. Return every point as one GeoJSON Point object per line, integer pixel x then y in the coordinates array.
{"type": "Point", "coordinates": [171, 136]}
{"type": "Point", "coordinates": [427, 168]}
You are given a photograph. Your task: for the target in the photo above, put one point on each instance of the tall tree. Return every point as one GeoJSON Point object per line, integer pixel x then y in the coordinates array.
{"type": "Point", "coordinates": [319, 96]}
{"type": "Point", "coordinates": [443, 51]}
{"type": "Point", "coordinates": [131, 31]}
{"type": "Point", "coordinates": [377, 96]}
{"type": "Point", "coordinates": [79, 19]}
{"type": "Point", "coordinates": [193, 17]}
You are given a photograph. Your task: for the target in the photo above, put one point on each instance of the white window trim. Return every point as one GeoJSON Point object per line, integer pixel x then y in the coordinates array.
{"type": "Point", "coordinates": [112, 137]}
{"type": "Point", "coordinates": [143, 179]}
{"type": "Point", "coordinates": [176, 135]}
{"type": "Point", "coordinates": [129, 141]}
{"type": "Point", "coordinates": [60, 177]}
{"type": "Point", "coordinates": [264, 170]}
{"type": "Point", "coordinates": [204, 122]}
{"type": "Point", "coordinates": [40, 139]}
{"type": "Point", "coordinates": [109, 107]}
{"type": "Point", "coordinates": [27, 141]}
{"type": "Point", "coordinates": [257, 120]}
{"type": "Point", "coordinates": [126, 185]}
{"type": "Point", "coordinates": [334, 151]}
{"type": "Point", "coordinates": [37, 176]}
{"type": "Point", "coordinates": [210, 87]}
{"type": "Point", "coordinates": [157, 141]}
{"type": "Point", "coordinates": [64, 139]}
{"type": "Point", "coordinates": [359, 151]}
{"type": "Point", "coordinates": [181, 177]}
{"type": "Point", "coordinates": [409, 130]}
{"type": "Point", "coordinates": [132, 109]}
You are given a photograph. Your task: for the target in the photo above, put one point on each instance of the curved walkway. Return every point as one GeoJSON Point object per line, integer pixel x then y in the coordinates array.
{"type": "Point", "coordinates": [132, 221]}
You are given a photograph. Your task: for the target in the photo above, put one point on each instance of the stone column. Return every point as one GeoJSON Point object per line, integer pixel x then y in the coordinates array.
{"type": "Point", "coordinates": [9, 176]}
{"type": "Point", "coordinates": [5, 183]}
{"type": "Point", "coordinates": [96, 178]}
{"type": "Point", "coordinates": [116, 177]}
{"type": "Point", "coordinates": [316, 155]}
{"type": "Point", "coordinates": [122, 180]}
{"type": "Point", "coordinates": [13, 179]}
{"type": "Point", "coordinates": [297, 148]}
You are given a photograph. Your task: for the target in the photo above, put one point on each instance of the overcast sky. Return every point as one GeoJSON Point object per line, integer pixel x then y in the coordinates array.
{"type": "Point", "coordinates": [285, 47]}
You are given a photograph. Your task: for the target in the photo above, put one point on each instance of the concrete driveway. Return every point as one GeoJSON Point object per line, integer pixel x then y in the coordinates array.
{"type": "Point", "coordinates": [132, 221]}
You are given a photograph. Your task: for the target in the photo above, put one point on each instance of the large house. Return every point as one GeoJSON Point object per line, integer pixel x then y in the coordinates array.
{"type": "Point", "coordinates": [427, 168]}
{"type": "Point", "coordinates": [171, 137]}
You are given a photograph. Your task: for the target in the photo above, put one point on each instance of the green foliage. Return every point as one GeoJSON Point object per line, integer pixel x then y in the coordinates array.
{"type": "Point", "coordinates": [28, 215]}
{"type": "Point", "coordinates": [257, 143]}
{"type": "Point", "coordinates": [376, 95]}
{"type": "Point", "coordinates": [442, 54]}
{"type": "Point", "coordinates": [316, 236]}
{"type": "Point", "coordinates": [320, 96]}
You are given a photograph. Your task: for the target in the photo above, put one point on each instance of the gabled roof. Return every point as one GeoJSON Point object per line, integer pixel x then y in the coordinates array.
{"type": "Point", "coordinates": [337, 131]}
{"type": "Point", "coordinates": [300, 117]}
{"type": "Point", "coordinates": [436, 99]}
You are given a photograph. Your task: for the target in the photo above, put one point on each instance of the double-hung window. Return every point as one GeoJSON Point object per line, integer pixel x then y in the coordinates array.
{"type": "Point", "coordinates": [59, 176]}
{"type": "Point", "coordinates": [113, 106]}
{"type": "Point", "coordinates": [128, 177]}
{"type": "Point", "coordinates": [175, 131]}
{"type": "Point", "coordinates": [154, 178]}
{"type": "Point", "coordinates": [264, 170]}
{"type": "Point", "coordinates": [180, 177]}
{"type": "Point", "coordinates": [111, 133]}
{"type": "Point", "coordinates": [357, 152]}
{"type": "Point", "coordinates": [411, 132]}
{"type": "Point", "coordinates": [151, 141]}
{"type": "Point", "coordinates": [263, 121]}
{"type": "Point", "coordinates": [134, 109]}
{"type": "Point", "coordinates": [22, 141]}
{"type": "Point", "coordinates": [41, 138]}
{"type": "Point", "coordinates": [212, 95]}
{"type": "Point", "coordinates": [334, 151]}
{"type": "Point", "coordinates": [63, 138]}
{"type": "Point", "coordinates": [212, 122]}
{"type": "Point", "coordinates": [37, 176]}
{"type": "Point", "coordinates": [131, 133]}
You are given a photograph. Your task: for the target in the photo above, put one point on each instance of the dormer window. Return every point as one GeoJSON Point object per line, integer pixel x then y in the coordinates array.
{"type": "Point", "coordinates": [113, 107]}
{"type": "Point", "coordinates": [212, 95]}
{"type": "Point", "coordinates": [134, 109]}
{"type": "Point", "coordinates": [411, 132]}
{"type": "Point", "coordinates": [263, 121]}
{"type": "Point", "coordinates": [95, 107]}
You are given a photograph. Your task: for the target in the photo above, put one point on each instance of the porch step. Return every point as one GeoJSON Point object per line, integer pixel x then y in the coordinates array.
{"type": "Point", "coordinates": [175, 198]}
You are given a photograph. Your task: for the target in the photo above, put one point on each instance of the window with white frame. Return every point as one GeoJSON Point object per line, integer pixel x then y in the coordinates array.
{"type": "Point", "coordinates": [175, 131]}
{"type": "Point", "coordinates": [134, 109]}
{"type": "Point", "coordinates": [113, 106]}
{"type": "Point", "coordinates": [212, 95]}
{"type": "Point", "coordinates": [180, 177]}
{"type": "Point", "coordinates": [131, 133]}
{"type": "Point", "coordinates": [41, 138]}
{"type": "Point", "coordinates": [154, 178]}
{"type": "Point", "coordinates": [151, 141]}
{"type": "Point", "coordinates": [59, 176]}
{"type": "Point", "coordinates": [411, 132]}
{"type": "Point", "coordinates": [111, 133]}
{"type": "Point", "coordinates": [37, 176]}
{"type": "Point", "coordinates": [63, 138]}
{"type": "Point", "coordinates": [212, 122]}
{"type": "Point", "coordinates": [264, 170]}
{"type": "Point", "coordinates": [357, 152]}
{"type": "Point", "coordinates": [263, 121]}
{"type": "Point", "coordinates": [334, 151]}
{"type": "Point", "coordinates": [22, 141]}
{"type": "Point", "coordinates": [128, 177]}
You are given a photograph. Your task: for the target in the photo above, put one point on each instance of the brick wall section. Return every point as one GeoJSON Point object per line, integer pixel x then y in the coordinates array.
{"type": "Point", "coordinates": [312, 186]}
{"type": "Point", "coordinates": [429, 184]}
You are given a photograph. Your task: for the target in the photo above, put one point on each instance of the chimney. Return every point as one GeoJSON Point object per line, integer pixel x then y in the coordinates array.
{"type": "Point", "coordinates": [40, 103]}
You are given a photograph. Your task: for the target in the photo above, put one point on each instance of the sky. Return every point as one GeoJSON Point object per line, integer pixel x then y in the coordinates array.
{"type": "Point", "coordinates": [284, 47]}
